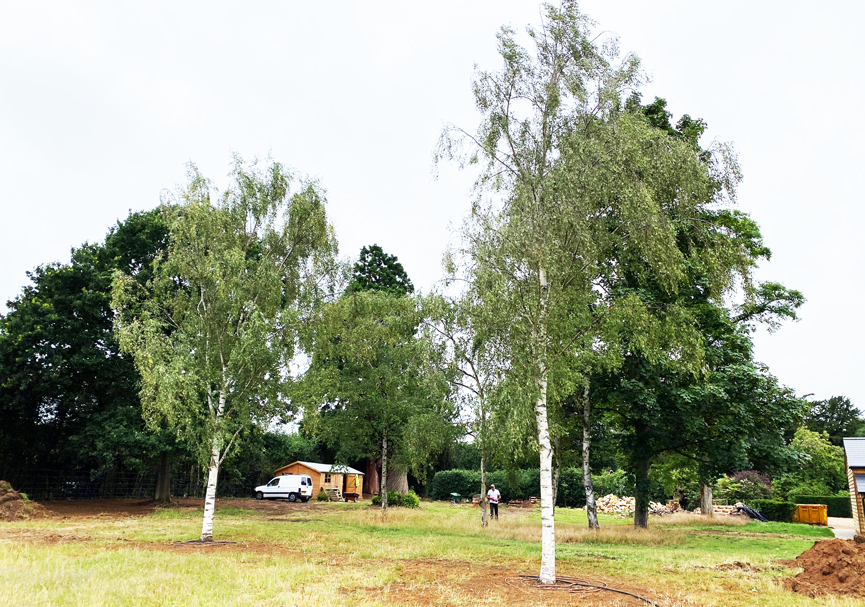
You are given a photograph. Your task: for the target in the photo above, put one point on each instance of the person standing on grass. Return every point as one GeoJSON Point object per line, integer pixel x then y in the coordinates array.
{"type": "Point", "coordinates": [494, 496]}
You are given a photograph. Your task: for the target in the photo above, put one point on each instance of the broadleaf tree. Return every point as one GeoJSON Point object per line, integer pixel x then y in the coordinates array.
{"type": "Point", "coordinates": [68, 398]}
{"type": "Point", "coordinates": [374, 388]}
{"type": "Point", "coordinates": [708, 409]}
{"type": "Point", "coordinates": [569, 183]}
{"type": "Point", "coordinates": [474, 369]}
{"type": "Point", "coordinates": [213, 332]}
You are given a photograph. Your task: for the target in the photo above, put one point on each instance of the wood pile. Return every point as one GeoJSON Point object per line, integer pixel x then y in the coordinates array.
{"type": "Point", "coordinates": [529, 503]}
{"type": "Point", "coordinates": [625, 506]}
{"type": "Point", "coordinates": [719, 510]}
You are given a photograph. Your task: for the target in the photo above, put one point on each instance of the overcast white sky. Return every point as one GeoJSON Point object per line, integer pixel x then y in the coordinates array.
{"type": "Point", "coordinates": [103, 103]}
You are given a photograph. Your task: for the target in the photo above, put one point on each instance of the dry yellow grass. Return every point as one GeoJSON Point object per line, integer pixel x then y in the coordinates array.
{"type": "Point", "coordinates": [620, 535]}
{"type": "Point", "coordinates": [687, 519]}
{"type": "Point", "coordinates": [522, 528]}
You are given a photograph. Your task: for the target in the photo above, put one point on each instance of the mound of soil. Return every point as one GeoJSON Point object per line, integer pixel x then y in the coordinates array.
{"type": "Point", "coordinates": [830, 567]}
{"type": "Point", "coordinates": [13, 506]}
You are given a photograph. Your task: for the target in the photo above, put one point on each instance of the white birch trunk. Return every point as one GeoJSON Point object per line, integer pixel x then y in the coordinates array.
{"type": "Point", "coordinates": [212, 475]}
{"type": "Point", "coordinates": [548, 528]}
{"type": "Point", "coordinates": [383, 487]}
{"type": "Point", "coordinates": [484, 520]}
{"type": "Point", "coordinates": [210, 495]}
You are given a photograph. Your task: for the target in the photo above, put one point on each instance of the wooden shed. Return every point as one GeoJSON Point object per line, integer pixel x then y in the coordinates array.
{"type": "Point", "coordinates": [854, 457]}
{"type": "Point", "coordinates": [333, 478]}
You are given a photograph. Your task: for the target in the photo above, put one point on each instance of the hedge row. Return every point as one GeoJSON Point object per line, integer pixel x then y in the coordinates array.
{"type": "Point", "coordinates": [521, 484]}
{"type": "Point", "coordinates": [773, 510]}
{"type": "Point", "coordinates": [836, 506]}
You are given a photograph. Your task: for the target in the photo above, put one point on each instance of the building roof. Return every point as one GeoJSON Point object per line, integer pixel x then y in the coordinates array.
{"type": "Point", "coordinates": [332, 468]}
{"type": "Point", "coordinates": [855, 450]}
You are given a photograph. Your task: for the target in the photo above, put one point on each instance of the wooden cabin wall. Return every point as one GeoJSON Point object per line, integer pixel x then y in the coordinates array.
{"type": "Point", "coordinates": [856, 500]}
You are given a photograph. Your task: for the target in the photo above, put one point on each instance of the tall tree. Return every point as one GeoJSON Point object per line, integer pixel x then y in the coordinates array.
{"type": "Point", "coordinates": [732, 415]}
{"type": "Point", "coordinates": [837, 417]}
{"type": "Point", "coordinates": [213, 332]}
{"type": "Point", "coordinates": [716, 245]}
{"type": "Point", "coordinates": [578, 184]}
{"type": "Point", "coordinates": [475, 368]}
{"type": "Point", "coordinates": [379, 271]}
{"type": "Point", "coordinates": [68, 398]}
{"type": "Point", "coordinates": [819, 468]}
{"type": "Point", "coordinates": [373, 388]}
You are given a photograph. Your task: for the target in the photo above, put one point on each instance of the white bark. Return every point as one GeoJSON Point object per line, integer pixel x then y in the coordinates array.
{"type": "Point", "coordinates": [212, 475]}
{"type": "Point", "coordinates": [210, 495]}
{"type": "Point", "coordinates": [383, 488]}
{"type": "Point", "coordinates": [548, 530]}
{"type": "Point", "coordinates": [484, 500]}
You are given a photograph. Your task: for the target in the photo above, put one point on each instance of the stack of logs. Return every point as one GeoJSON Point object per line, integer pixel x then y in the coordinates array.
{"type": "Point", "coordinates": [529, 503]}
{"type": "Point", "coordinates": [625, 506]}
{"type": "Point", "coordinates": [719, 510]}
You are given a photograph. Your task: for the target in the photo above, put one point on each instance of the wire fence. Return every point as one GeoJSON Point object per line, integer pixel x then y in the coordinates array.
{"type": "Point", "coordinates": [47, 485]}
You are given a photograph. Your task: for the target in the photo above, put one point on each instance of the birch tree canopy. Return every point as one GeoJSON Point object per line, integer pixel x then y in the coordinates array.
{"type": "Point", "coordinates": [213, 332]}
{"type": "Point", "coordinates": [571, 183]}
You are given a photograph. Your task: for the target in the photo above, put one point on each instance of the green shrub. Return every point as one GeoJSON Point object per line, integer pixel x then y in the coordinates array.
{"type": "Point", "coordinates": [781, 512]}
{"type": "Point", "coordinates": [399, 500]}
{"type": "Point", "coordinates": [323, 496]}
{"type": "Point", "coordinates": [744, 487]}
{"type": "Point", "coordinates": [617, 482]}
{"type": "Point", "coordinates": [464, 482]}
{"type": "Point", "coordinates": [411, 500]}
{"type": "Point", "coordinates": [835, 506]}
{"type": "Point", "coordinates": [788, 488]}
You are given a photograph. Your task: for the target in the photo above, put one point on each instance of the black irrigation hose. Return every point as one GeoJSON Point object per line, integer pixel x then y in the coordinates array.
{"type": "Point", "coordinates": [577, 582]}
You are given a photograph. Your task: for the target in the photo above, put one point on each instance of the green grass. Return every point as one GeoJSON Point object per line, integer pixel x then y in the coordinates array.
{"type": "Point", "coordinates": [351, 550]}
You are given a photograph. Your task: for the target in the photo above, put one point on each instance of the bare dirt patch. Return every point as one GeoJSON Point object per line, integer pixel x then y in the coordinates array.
{"type": "Point", "coordinates": [429, 583]}
{"type": "Point", "coordinates": [830, 567]}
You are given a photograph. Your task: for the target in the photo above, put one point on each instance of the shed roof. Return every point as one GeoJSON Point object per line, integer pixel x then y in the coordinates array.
{"type": "Point", "coordinates": [332, 468]}
{"type": "Point", "coordinates": [855, 450]}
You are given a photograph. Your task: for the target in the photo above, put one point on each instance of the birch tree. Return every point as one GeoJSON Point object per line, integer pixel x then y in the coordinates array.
{"type": "Point", "coordinates": [475, 367]}
{"type": "Point", "coordinates": [569, 183]}
{"type": "Point", "coordinates": [213, 331]}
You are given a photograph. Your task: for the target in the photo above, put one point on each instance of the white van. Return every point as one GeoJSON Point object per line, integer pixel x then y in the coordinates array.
{"type": "Point", "coordinates": [292, 487]}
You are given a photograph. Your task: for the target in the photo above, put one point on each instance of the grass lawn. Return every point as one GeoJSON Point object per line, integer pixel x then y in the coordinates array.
{"type": "Point", "coordinates": [348, 554]}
